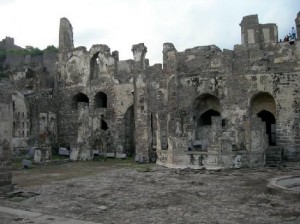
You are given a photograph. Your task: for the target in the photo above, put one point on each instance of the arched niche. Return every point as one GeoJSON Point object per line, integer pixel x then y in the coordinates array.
{"type": "Point", "coordinates": [79, 98]}
{"type": "Point", "coordinates": [205, 107]}
{"type": "Point", "coordinates": [206, 103]}
{"type": "Point", "coordinates": [100, 100]}
{"type": "Point", "coordinates": [129, 131]}
{"type": "Point", "coordinates": [94, 66]}
{"type": "Point", "coordinates": [263, 105]}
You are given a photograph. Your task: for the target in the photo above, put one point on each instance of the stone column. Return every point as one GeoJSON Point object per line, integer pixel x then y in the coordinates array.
{"type": "Point", "coordinates": [141, 107]}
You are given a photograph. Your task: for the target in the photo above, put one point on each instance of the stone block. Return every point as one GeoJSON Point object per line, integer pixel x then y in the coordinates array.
{"type": "Point", "coordinates": [110, 155]}
{"type": "Point", "coordinates": [31, 152]}
{"type": "Point", "coordinates": [74, 154]}
{"type": "Point", "coordinates": [139, 158]}
{"type": "Point", "coordinates": [121, 155]}
{"type": "Point", "coordinates": [26, 163]}
{"type": "Point", "coordinates": [63, 151]}
{"type": "Point", "coordinates": [37, 156]}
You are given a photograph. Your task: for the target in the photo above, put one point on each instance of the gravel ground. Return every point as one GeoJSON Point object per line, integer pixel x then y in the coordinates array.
{"type": "Point", "coordinates": [130, 193]}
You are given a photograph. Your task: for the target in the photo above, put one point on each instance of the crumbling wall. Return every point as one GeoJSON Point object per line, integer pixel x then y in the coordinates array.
{"type": "Point", "coordinates": [42, 119]}
{"type": "Point", "coordinates": [197, 110]}
{"type": "Point", "coordinates": [259, 66]}
{"type": "Point", "coordinates": [20, 122]}
{"type": "Point", "coordinates": [6, 117]}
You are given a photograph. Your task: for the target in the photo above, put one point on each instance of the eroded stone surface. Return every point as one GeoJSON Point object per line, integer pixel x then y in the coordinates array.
{"type": "Point", "coordinates": [153, 194]}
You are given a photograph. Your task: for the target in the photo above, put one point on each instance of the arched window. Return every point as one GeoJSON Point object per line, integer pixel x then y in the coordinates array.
{"type": "Point", "coordinates": [94, 66]}
{"type": "Point", "coordinates": [80, 97]}
{"type": "Point", "coordinates": [100, 100]}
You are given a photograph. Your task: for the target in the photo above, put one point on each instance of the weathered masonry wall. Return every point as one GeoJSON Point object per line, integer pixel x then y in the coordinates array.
{"type": "Point", "coordinates": [202, 108]}
{"type": "Point", "coordinates": [97, 79]}
{"type": "Point", "coordinates": [5, 139]}
{"type": "Point", "coordinates": [226, 108]}
{"type": "Point", "coordinates": [205, 107]}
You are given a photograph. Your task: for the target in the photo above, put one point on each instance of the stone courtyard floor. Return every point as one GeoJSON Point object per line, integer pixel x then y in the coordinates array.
{"type": "Point", "coordinates": [117, 191]}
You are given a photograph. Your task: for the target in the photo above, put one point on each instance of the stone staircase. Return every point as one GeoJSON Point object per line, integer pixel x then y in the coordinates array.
{"type": "Point", "coordinates": [273, 156]}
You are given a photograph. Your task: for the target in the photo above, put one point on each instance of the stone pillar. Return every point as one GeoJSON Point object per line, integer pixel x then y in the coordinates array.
{"type": "Point", "coordinates": [65, 35]}
{"type": "Point", "coordinates": [82, 150]}
{"type": "Point", "coordinates": [65, 46]}
{"type": "Point", "coordinates": [6, 118]}
{"type": "Point", "coordinates": [250, 30]}
{"type": "Point", "coordinates": [141, 107]}
{"type": "Point", "coordinates": [297, 21]}
{"type": "Point", "coordinates": [169, 115]}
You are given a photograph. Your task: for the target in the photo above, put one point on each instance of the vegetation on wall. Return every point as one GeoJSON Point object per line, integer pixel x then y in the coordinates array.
{"type": "Point", "coordinates": [28, 50]}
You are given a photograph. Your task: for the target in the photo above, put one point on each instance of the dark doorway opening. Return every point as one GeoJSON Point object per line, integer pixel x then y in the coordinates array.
{"type": "Point", "coordinates": [129, 132]}
{"type": "Point", "coordinates": [101, 100]}
{"type": "Point", "coordinates": [205, 118]}
{"type": "Point", "coordinates": [80, 97]}
{"type": "Point", "coordinates": [104, 125]}
{"type": "Point", "coordinates": [270, 120]}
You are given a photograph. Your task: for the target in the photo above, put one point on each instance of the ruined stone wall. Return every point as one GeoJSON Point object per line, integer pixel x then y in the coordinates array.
{"type": "Point", "coordinates": [5, 137]}
{"type": "Point", "coordinates": [259, 75]}
{"type": "Point", "coordinates": [21, 127]}
{"type": "Point", "coordinates": [203, 107]}
{"type": "Point", "coordinates": [42, 117]}
{"type": "Point", "coordinates": [105, 84]}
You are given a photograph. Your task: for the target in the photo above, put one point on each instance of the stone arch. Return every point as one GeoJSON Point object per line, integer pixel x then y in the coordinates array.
{"type": "Point", "coordinates": [100, 100]}
{"type": "Point", "coordinates": [262, 101]}
{"type": "Point", "coordinates": [129, 131]}
{"type": "Point", "coordinates": [79, 98]}
{"type": "Point", "coordinates": [205, 108]}
{"type": "Point", "coordinates": [204, 103]}
{"type": "Point", "coordinates": [263, 105]}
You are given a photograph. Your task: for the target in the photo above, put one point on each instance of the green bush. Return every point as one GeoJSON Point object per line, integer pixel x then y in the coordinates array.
{"type": "Point", "coordinates": [2, 54]}
{"type": "Point", "coordinates": [28, 50]}
{"type": "Point", "coordinates": [51, 48]}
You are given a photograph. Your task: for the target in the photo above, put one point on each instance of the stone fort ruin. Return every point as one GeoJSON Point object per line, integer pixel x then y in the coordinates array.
{"type": "Point", "coordinates": [202, 108]}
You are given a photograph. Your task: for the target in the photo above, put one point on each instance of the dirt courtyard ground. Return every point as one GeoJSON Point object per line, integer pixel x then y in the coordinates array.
{"type": "Point", "coordinates": [126, 192]}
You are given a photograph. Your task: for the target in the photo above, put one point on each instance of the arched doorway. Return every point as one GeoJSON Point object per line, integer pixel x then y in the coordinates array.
{"type": "Point", "coordinates": [100, 100]}
{"type": "Point", "coordinates": [205, 118]}
{"type": "Point", "coordinates": [269, 118]}
{"type": "Point", "coordinates": [205, 107]}
{"type": "Point", "coordinates": [129, 132]}
{"type": "Point", "coordinates": [263, 106]}
{"type": "Point", "coordinates": [79, 98]}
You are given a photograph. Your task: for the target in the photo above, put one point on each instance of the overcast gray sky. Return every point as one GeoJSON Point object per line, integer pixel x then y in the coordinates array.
{"type": "Point", "coordinates": [122, 23]}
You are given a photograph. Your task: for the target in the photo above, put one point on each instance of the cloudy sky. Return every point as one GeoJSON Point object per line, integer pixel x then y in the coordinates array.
{"type": "Point", "coordinates": [122, 23]}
